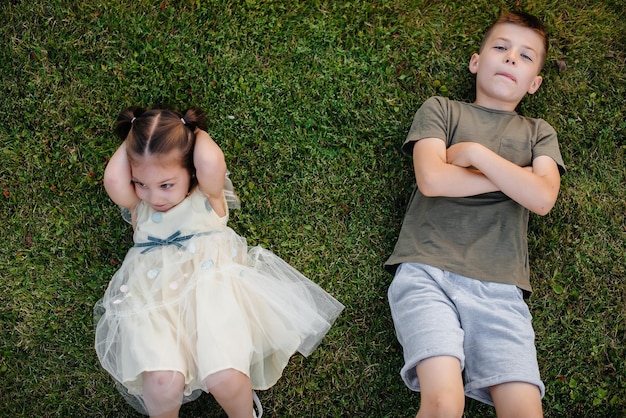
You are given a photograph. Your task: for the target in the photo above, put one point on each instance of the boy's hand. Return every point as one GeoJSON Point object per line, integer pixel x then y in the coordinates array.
{"type": "Point", "coordinates": [462, 154]}
{"type": "Point", "coordinates": [540, 181]}
{"type": "Point", "coordinates": [437, 176]}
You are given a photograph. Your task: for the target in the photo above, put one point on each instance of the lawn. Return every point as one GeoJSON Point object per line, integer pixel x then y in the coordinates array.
{"type": "Point", "coordinates": [310, 101]}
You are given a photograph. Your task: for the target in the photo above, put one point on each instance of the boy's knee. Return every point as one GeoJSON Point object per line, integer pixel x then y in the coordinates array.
{"type": "Point", "coordinates": [517, 399]}
{"type": "Point", "coordinates": [445, 405]}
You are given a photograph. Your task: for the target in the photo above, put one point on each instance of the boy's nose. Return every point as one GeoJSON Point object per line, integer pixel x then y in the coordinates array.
{"type": "Point", "coordinates": [510, 58]}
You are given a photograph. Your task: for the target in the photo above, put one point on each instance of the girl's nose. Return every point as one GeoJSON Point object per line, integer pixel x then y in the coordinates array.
{"type": "Point", "coordinates": [154, 198]}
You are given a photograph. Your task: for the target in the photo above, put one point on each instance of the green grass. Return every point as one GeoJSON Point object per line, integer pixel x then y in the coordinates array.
{"type": "Point", "coordinates": [310, 102]}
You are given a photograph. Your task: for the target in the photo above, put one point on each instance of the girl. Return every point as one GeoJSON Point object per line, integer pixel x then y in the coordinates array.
{"type": "Point", "coordinates": [192, 308]}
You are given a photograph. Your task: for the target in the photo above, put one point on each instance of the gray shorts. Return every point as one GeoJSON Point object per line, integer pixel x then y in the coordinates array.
{"type": "Point", "coordinates": [486, 325]}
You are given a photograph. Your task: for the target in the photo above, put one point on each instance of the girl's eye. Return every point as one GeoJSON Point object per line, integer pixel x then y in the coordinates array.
{"type": "Point", "coordinates": [526, 57]}
{"type": "Point", "coordinates": [167, 186]}
{"type": "Point", "coordinates": [500, 48]}
{"type": "Point", "coordinates": [136, 183]}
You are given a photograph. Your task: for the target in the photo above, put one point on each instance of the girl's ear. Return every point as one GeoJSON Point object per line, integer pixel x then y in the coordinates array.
{"type": "Point", "coordinates": [473, 64]}
{"type": "Point", "coordinates": [534, 85]}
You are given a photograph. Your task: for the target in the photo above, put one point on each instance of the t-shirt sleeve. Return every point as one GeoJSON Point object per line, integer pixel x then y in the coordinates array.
{"type": "Point", "coordinates": [548, 145]}
{"type": "Point", "coordinates": [430, 121]}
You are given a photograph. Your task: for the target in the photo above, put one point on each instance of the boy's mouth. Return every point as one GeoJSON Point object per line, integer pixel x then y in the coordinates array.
{"type": "Point", "coordinates": [507, 75]}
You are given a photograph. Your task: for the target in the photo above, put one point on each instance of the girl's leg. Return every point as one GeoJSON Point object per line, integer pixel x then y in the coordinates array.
{"type": "Point", "coordinates": [233, 391]}
{"type": "Point", "coordinates": [163, 393]}
{"type": "Point", "coordinates": [441, 387]}
{"type": "Point", "coordinates": [517, 399]}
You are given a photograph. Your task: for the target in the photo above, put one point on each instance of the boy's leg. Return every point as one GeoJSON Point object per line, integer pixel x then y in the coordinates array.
{"type": "Point", "coordinates": [441, 382]}
{"type": "Point", "coordinates": [517, 399]}
{"type": "Point", "coordinates": [501, 359]}
{"type": "Point", "coordinates": [428, 328]}
{"type": "Point", "coordinates": [499, 344]}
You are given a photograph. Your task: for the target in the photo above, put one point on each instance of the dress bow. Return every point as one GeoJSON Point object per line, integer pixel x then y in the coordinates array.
{"type": "Point", "coordinates": [153, 242]}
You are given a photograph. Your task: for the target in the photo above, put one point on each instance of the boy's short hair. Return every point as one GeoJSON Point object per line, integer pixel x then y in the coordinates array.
{"type": "Point", "coordinates": [524, 20]}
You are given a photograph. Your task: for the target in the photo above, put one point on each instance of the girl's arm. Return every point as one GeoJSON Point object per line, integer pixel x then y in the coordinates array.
{"type": "Point", "coordinates": [210, 165]}
{"type": "Point", "coordinates": [117, 180]}
{"type": "Point", "coordinates": [435, 176]}
{"type": "Point", "coordinates": [535, 189]}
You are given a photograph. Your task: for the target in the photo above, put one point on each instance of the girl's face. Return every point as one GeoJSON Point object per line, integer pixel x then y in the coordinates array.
{"type": "Point", "coordinates": [160, 180]}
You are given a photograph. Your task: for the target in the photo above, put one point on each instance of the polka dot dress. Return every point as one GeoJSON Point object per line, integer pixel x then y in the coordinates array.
{"type": "Point", "coordinates": [192, 297]}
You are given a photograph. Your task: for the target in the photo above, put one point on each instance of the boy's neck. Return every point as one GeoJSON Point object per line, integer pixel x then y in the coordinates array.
{"type": "Point", "coordinates": [495, 104]}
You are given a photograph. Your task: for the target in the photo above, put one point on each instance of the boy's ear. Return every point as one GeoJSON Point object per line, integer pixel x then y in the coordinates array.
{"type": "Point", "coordinates": [534, 86]}
{"type": "Point", "coordinates": [473, 64]}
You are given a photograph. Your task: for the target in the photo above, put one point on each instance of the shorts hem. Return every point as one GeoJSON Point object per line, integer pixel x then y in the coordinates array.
{"type": "Point", "coordinates": [479, 390]}
{"type": "Point", "coordinates": [409, 374]}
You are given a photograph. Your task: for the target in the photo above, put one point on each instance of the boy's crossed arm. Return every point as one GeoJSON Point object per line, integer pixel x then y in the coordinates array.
{"type": "Point", "coordinates": [435, 176]}
{"type": "Point", "coordinates": [468, 168]}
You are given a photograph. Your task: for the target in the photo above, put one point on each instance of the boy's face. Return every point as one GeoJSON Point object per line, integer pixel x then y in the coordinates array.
{"type": "Point", "coordinates": [507, 67]}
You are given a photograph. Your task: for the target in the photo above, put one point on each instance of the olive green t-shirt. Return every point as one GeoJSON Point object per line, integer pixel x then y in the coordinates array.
{"type": "Point", "coordinates": [483, 236]}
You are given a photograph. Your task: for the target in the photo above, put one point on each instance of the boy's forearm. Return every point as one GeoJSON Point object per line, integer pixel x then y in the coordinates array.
{"type": "Point", "coordinates": [536, 191]}
{"type": "Point", "coordinates": [454, 181]}
{"type": "Point", "coordinates": [436, 177]}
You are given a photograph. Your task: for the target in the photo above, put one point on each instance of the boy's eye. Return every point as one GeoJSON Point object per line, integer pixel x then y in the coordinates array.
{"type": "Point", "coordinates": [527, 57]}
{"type": "Point", "coordinates": [137, 183]}
{"type": "Point", "coordinates": [500, 48]}
{"type": "Point", "coordinates": [167, 186]}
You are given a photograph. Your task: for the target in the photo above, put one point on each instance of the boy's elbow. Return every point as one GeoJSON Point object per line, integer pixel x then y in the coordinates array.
{"type": "Point", "coordinates": [427, 185]}
{"type": "Point", "coordinates": [542, 211]}
{"type": "Point", "coordinates": [428, 191]}
{"type": "Point", "coordinates": [547, 200]}
{"type": "Point", "coordinates": [544, 206]}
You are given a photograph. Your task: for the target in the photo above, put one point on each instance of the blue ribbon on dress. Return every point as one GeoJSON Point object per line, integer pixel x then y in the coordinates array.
{"type": "Point", "coordinates": [154, 242]}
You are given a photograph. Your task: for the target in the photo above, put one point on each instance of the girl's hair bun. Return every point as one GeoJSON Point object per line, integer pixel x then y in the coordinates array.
{"type": "Point", "coordinates": [194, 118]}
{"type": "Point", "coordinates": [125, 121]}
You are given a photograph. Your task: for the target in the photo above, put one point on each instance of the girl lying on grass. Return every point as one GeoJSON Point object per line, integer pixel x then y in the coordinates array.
{"type": "Point", "coordinates": [192, 307]}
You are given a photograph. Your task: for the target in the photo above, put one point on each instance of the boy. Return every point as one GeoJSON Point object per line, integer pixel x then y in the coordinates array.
{"type": "Point", "coordinates": [461, 260]}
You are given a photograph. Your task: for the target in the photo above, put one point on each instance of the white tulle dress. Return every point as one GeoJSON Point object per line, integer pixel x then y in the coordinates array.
{"type": "Point", "coordinates": [192, 297]}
